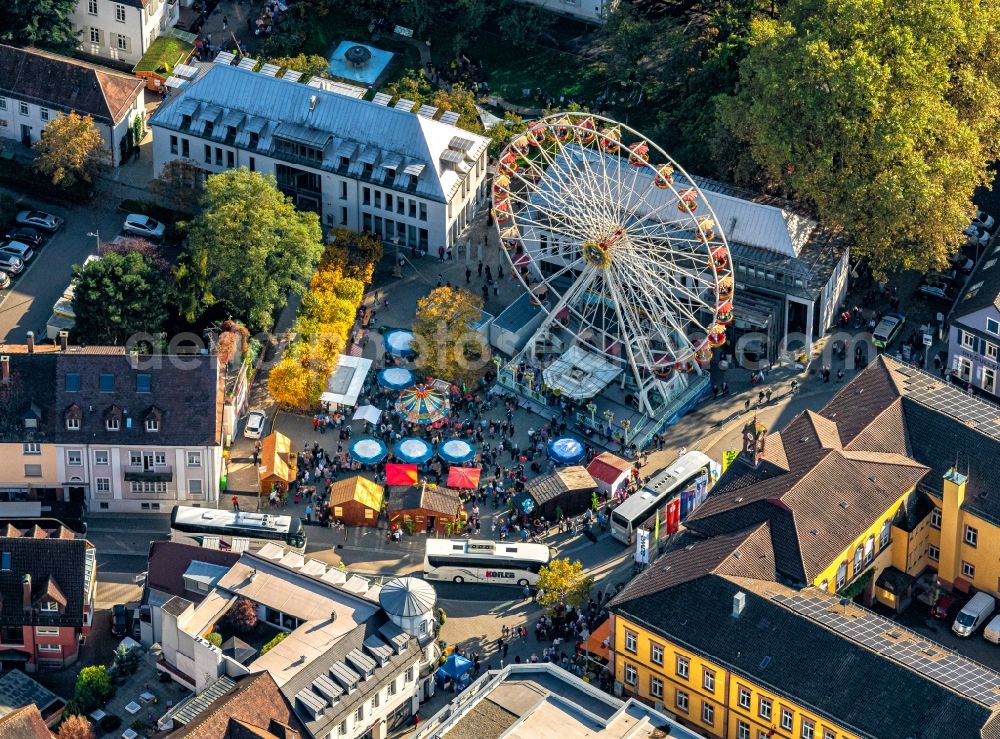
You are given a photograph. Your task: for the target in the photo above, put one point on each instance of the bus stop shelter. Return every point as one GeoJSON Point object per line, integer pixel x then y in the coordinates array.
{"type": "Point", "coordinates": [276, 470]}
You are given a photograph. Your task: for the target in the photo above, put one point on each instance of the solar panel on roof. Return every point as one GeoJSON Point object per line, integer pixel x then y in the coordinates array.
{"type": "Point", "coordinates": [381, 98]}
{"type": "Point", "coordinates": [270, 70]}
{"type": "Point", "coordinates": [404, 104]}
{"type": "Point", "coordinates": [427, 111]}
{"type": "Point", "coordinates": [247, 63]}
{"type": "Point", "coordinates": [450, 117]}
{"type": "Point", "coordinates": [292, 75]}
{"type": "Point", "coordinates": [225, 57]}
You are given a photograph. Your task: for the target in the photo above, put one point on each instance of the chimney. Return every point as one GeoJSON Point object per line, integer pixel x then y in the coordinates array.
{"type": "Point", "coordinates": [64, 340]}
{"type": "Point", "coordinates": [5, 369]}
{"type": "Point", "coordinates": [739, 603]}
{"type": "Point", "coordinates": [31, 342]}
{"type": "Point", "coordinates": [26, 592]}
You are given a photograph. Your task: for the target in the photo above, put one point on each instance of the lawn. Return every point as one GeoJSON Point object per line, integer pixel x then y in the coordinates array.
{"type": "Point", "coordinates": [554, 72]}
{"type": "Point", "coordinates": [164, 54]}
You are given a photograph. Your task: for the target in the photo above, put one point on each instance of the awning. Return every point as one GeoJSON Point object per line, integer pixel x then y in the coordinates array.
{"type": "Point", "coordinates": [345, 384]}
{"type": "Point", "coordinates": [595, 642]}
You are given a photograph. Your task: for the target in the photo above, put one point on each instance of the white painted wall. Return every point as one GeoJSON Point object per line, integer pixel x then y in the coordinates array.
{"type": "Point", "coordinates": [117, 31]}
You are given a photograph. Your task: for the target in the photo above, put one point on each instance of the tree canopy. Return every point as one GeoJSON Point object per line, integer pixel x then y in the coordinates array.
{"type": "Point", "coordinates": [70, 149]}
{"type": "Point", "coordinates": [311, 65]}
{"type": "Point", "coordinates": [180, 185]}
{"type": "Point", "coordinates": [249, 246]}
{"type": "Point", "coordinates": [884, 115]}
{"type": "Point", "coordinates": [118, 296]}
{"type": "Point", "coordinates": [446, 344]}
{"type": "Point", "coordinates": [44, 23]}
{"type": "Point", "coordinates": [564, 581]}
{"type": "Point", "coordinates": [415, 86]}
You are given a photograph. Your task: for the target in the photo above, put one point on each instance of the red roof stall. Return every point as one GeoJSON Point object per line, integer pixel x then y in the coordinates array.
{"type": "Point", "coordinates": [609, 471]}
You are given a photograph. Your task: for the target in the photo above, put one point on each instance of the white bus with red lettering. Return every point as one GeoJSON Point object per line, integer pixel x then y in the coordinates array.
{"type": "Point", "coordinates": [463, 560]}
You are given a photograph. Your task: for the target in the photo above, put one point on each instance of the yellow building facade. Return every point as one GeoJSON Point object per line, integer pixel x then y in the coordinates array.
{"type": "Point", "coordinates": [964, 547]}
{"type": "Point", "coordinates": [706, 696]}
{"type": "Point", "coordinates": [28, 464]}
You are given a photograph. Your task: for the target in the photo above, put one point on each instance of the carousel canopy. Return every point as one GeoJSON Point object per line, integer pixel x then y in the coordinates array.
{"type": "Point", "coordinates": [398, 341]}
{"type": "Point", "coordinates": [422, 404]}
{"type": "Point", "coordinates": [396, 378]}
{"type": "Point", "coordinates": [456, 451]}
{"type": "Point", "coordinates": [368, 450]}
{"type": "Point", "coordinates": [566, 450]}
{"type": "Point", "coordinates": [413, 450]}
{"type": "Point", "coordinates": [580, 374]}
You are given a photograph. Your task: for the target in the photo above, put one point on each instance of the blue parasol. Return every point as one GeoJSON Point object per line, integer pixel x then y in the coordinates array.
{"type": "Point", "coordinates": [567, 450]}
{"type": "Point", "coordinates": [412, 450]}
{"type": "Point", "coordinates": [456, 451]}
{"type": "Point", "coordinates": [368, 450]}
{"type": "Point", "coordinates": [398, 341]}
{"type": "Point", "coordinates": [396, 378]}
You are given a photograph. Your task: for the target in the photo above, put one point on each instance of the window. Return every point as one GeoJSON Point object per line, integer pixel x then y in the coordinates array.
{"type": "Point", "coordinates": [743, 697]}
{"type": "Point", "coordinates": [971, 535]}
{"type": "Point", "coordinates": [388, 201]}
{"type": "Point", "coordinates": [631, 641]}
{"type": "Point", "coordinates": [119, 12]}
{"type": "Point", "coordinates": [808, 728]}
{"type": "Point", "coordinates": [378, 198]}
{"type": "Point", "coordinates": [993, 326]}
{"type": "Point", "coordinates": [74, 457]}
{"type": "Point", "coordinates": [218, 157]}
{"type": "Point", "coordinates": [194, 487]}
{"type": "Point", "coordinates": [32, 447]}
{"type": "Point", "coordinates": [50, 606]}
{"type": "Point", "coordinates": [413, 208]}
{"type": "Point", "coordinates": [681, 701]}
{"type": "Point", "coordinates": [991, 350]}
{"type": "Point", "coordinates": [43, 113]}
{"type": "Point", "coordinates": [208, 154]}
{"type": "Point", "coordinates": [194, 459]}
{"type": "Point", "coordinates": [343, 190]}
{"type": "Point", "coordinates": [764, 708]}
{"type": "Point", "coordinates": [342, 729]}
{"type": "Point", "coordinates": [122, 42]}
{"type": "Point", "coordinates": [102, 484]}
{"type": "Point", "coordinates": [708, 680]}
{"type": "Point", "coordinates": [253, 164]}
{"type": "Point", "coordinates": [933, 553]}
{"type": "Point", "coordinates": [144, 383]}
{"type": "Point", "coordinates": [655, 687]}
{"type": "Point", "coordinates": [107, 383]}
{"type": "Point", "coordinates": [423, 211]}
{"type": "Point", "coordinates": [147, 487]}
{"type": "Point", "coordinates": [152, 425]}
{"type": "Point", "coordinates": [869, 548]}
{"type": "Point", "coordinates": [858, 554]}
{"type": "Point", "coordinates": [173, 144]}
{"type": "Point", "coordinates": [103, 505]}
{"type": "Point", "coordinates": [23, 107]}
{"type": "Point", "coordinates": [708, 713]}
{"type": "Point", "coordinates": [147, 506]}
{"type": "Point", "coordinates": [101, 457]}
{"type": "Point", "coordinates": [936, 518]}
{"type": "Point", "coordinates": [656, 653]}
{"type": "Point", "coordinates": [32, 470]}
{"type": "Point", "coordinates": [829, 734]}
{"type": "Point", "coordinates": [366, 196]}
{"type": "Point", "coordinates": [73, 424]}
{"type": "Point", "coordinates": [883, 536]}
{"type": "Point", "coordinates": [786, 719]}
{"type": "Point", "coordinates": [968, 569]}
{"type": "Point", "coordinates": [185, 148]}
{"type": "Point", "coordinates": [375, 701]}
{"type": "Point", "coordinates": [135, 459]}
{"type": "Point", "coordinates": [49, 648]}
{"type": "Point", "coordinates": [112, 423]}
{"type": "Point", "coordinates": [72, 382]}
{"type": "Point", "coordinates": [631, 676]}
{"type": "Point", "coordinates": [47, 630]}
{"type": "Point", "coordinates": [742, 730]}
{"type": "Point", "coordinates": [408, 675]}
{"type": "Point", "coordinates": [5, 563]}
{"type": "Point", "coordinates": [968, 340]}
{"type": "Point", "coordinates": [159, 458]}
{"type": "Point", "coordinates": [682, 666]}
{"type": "Point", "coordinates": [360, 713]}
{"type": "Point", "coordinates": [390, 689]}
{"type": "Point", "coordinates": [92, 7]}
{"type": "Point", "coordinates": [3, 103]}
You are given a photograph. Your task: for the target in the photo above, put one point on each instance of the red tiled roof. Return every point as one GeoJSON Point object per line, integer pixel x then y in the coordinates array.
{"type": "Point", "coordinates": [255, 701]}
{"type": "Point", "coordinates": [24, 723]}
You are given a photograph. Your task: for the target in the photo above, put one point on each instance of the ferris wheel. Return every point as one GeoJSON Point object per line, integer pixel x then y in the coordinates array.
{"type": "Point", "coordinates": [618, 245]}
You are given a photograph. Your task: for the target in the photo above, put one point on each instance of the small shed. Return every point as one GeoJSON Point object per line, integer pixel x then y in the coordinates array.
{"type": "Point", "coordinates": [609, 471]}
{"type": "Point", "coordinates": [277, 463]}
{"type": "Point", "coordinates": [356, 501]}
{"type": "Point", "coordinates": [570, 489]}
{"type": "Point", "coordinates": [430, 508]}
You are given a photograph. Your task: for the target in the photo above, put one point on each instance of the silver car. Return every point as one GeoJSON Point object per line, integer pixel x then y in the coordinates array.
{"type": "Point", "coordinates": [39, 219]}
{"type": "Point", "coordinates": [140, 225]}
{"type": "Point", "coordinates": [19, 250]}
{"type": "Point", "coordinates": [10, 263]}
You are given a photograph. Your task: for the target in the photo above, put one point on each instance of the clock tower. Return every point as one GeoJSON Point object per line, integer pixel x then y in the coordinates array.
{"type": "Point", "coordinates": [754, 434]}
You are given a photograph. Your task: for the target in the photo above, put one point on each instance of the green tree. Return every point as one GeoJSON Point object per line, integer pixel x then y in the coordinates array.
{"type": "Point", "coordinates": [249, 247]}
{"type": "Point", "coordinates": [503, 133]}
{"type": "Point", "coordinates": [446, 344]}
{"type": "Point", "coordinates": [273, 643]}
{"type": "Point", "coordinates": [883, 116]}
{"type": "Point", "coordinates": [70, 149]}
{"type": "Point", "coordinates": [564, 581]}
{"type": "Point", "coordinates": [44, 23]}
{"type": "Point", "coordinates": [126, 660]}
{"type": "Point", "coordinates": [415, 86]}
{"type": "Point", "coordinates": [118, 296]}
{"type": "Point", "coordinates": [311, 65]}
{"type": "Point", "coordinates": [93, 687]}
{"type": "Point", "coordinates": [215, 639]}
{"type": "Point", "coordinates": [180, 185]}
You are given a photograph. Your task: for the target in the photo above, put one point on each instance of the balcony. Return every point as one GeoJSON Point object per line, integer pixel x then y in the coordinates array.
{"type": "Point", "coordinates": [159, 473]}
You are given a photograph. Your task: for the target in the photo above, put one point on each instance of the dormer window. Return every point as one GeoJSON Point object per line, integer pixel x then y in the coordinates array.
{"type": "Point", "coordinates": [73, 424]}
{"type": "Point", "coordinates": [209, 127]}
{"type": "Point", "coordinates": [50, 606]}
{"type": "Point", "coordinates": [254, 140]}
{"type": "Point", "coordinates": [185, 121]}
{"type": "Point", "coordinates": [112, 424]}
{"type": "Point", "coordinates": [72, 417]}
{"type": "Point", "coordinates": [152, 425]}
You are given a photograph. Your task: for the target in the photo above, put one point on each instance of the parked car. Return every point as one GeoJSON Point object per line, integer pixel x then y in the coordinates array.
{"type": "Point", "coordinates": [887, 330]}
{"type": "Point", "coordinates": [255, 424]}
{"type": "Point", "coordinates": [140, 225]}
{"type": "Point", "coordinates": [944, 606]}
{"type": "Point", "coordinates": [4, 280]}
{"type": "Point", "coordinates": [974, 614]}
{"type": "Point", "coordinates": [962, 263]}
{"type": "Point", "coordinates": [992, 631]}
{"type": "Point", "coordinates": [937, 290]}
{"type": "Point", "coordinates": [39, 219]}
{"type": "Point", "coordinates": [119, 620]}
{"type": "Point", "coordinates": [10, 263]}
{"type": "Point", "coordinates": [19, 250]}
{"type": "Point", "coordinates": [974, 229]}
{"type": "Point", "coordinates": [985, 220]}
{"type": "Point", "coordinates": [27, 235]}
{"type": "Point", "coordinates": [979, 239]}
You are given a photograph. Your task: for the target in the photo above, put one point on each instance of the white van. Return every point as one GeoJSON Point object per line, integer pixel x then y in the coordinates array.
{"type": "Point", "coordinates": [992, 631]}
{"type": "Point", "coordinates": [974, 614]}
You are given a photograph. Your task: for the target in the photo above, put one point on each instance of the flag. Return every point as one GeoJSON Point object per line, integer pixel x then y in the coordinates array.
{"type": "Point", "coordinates": [656, 527]}
{"type": "Point", "coordinates": [401, 474]}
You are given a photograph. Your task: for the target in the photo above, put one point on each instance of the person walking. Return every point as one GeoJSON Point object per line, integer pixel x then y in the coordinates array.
{"type": "Point", "coordinates": [746, 405]}
{"type": "Point", "coordinates": [479, 268]}
{"type": "Point", "coordinates": [468, 275]}
{"type": "Point", "coordinates": [225, 22]}
{"type": "Point", "coordinates": [309, 514]}
{"type": "Point", "coordinates": [441, 253]}
{"type": "Point", "coordinates": [767, 394]}
{"type": "Point", "coordinates": [236, 504]}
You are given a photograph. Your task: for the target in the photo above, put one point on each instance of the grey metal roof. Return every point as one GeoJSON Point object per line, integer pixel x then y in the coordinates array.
{"type": "Point", "coordinates": [392, 161]}
{"type": "Point", "coordinates": [292, 75]}
{"type": "Point", "coordinates": [188, 710]}
{"type": "Point", "coordinates": [233, 118]}
{"type": "Point", "coordinates": [369, 155]}
{"type": "Point", "coordinates": [407, 596]}
{"type": "Point", "coordinates": [455, 157]}
{"type": "Point", "coordinates": [303, 134]}
{"type": "Point", "coordinates": [361, 661]}
{"type": "Point", "coordinates": [395, 636]}
{"type": "Point", "coordinates": [404, 104]}
{"type": "Point", "coordinates": [381, 98]}
{"type": "Point", "coordinates": [344, 675]}
{"type": "Point", "coordinates": [327, 688]}
{"type": "Point", "coordinates": [270, 69]}
{"type": "Point", "coordinates": [378, 649]}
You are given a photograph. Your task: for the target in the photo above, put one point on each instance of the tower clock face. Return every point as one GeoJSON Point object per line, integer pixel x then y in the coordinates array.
{"type": "Point", "coordinates": [750, 441]}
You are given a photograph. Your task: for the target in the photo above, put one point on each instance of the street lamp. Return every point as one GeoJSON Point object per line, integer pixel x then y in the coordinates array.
{"type": "Point", "coordinates": [96, 233]}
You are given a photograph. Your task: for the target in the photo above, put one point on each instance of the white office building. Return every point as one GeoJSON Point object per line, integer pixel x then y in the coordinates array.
{"type": "Point", "coordinates": [122, 29]}
{"type": "Point", "coordinates": [408, 176]}
{"type": "Point", "coordinates": [588, 11]}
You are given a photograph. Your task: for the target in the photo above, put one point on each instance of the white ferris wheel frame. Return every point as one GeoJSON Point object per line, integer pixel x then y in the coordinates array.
{"type": "Point", "coordinates": [659, 288]}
